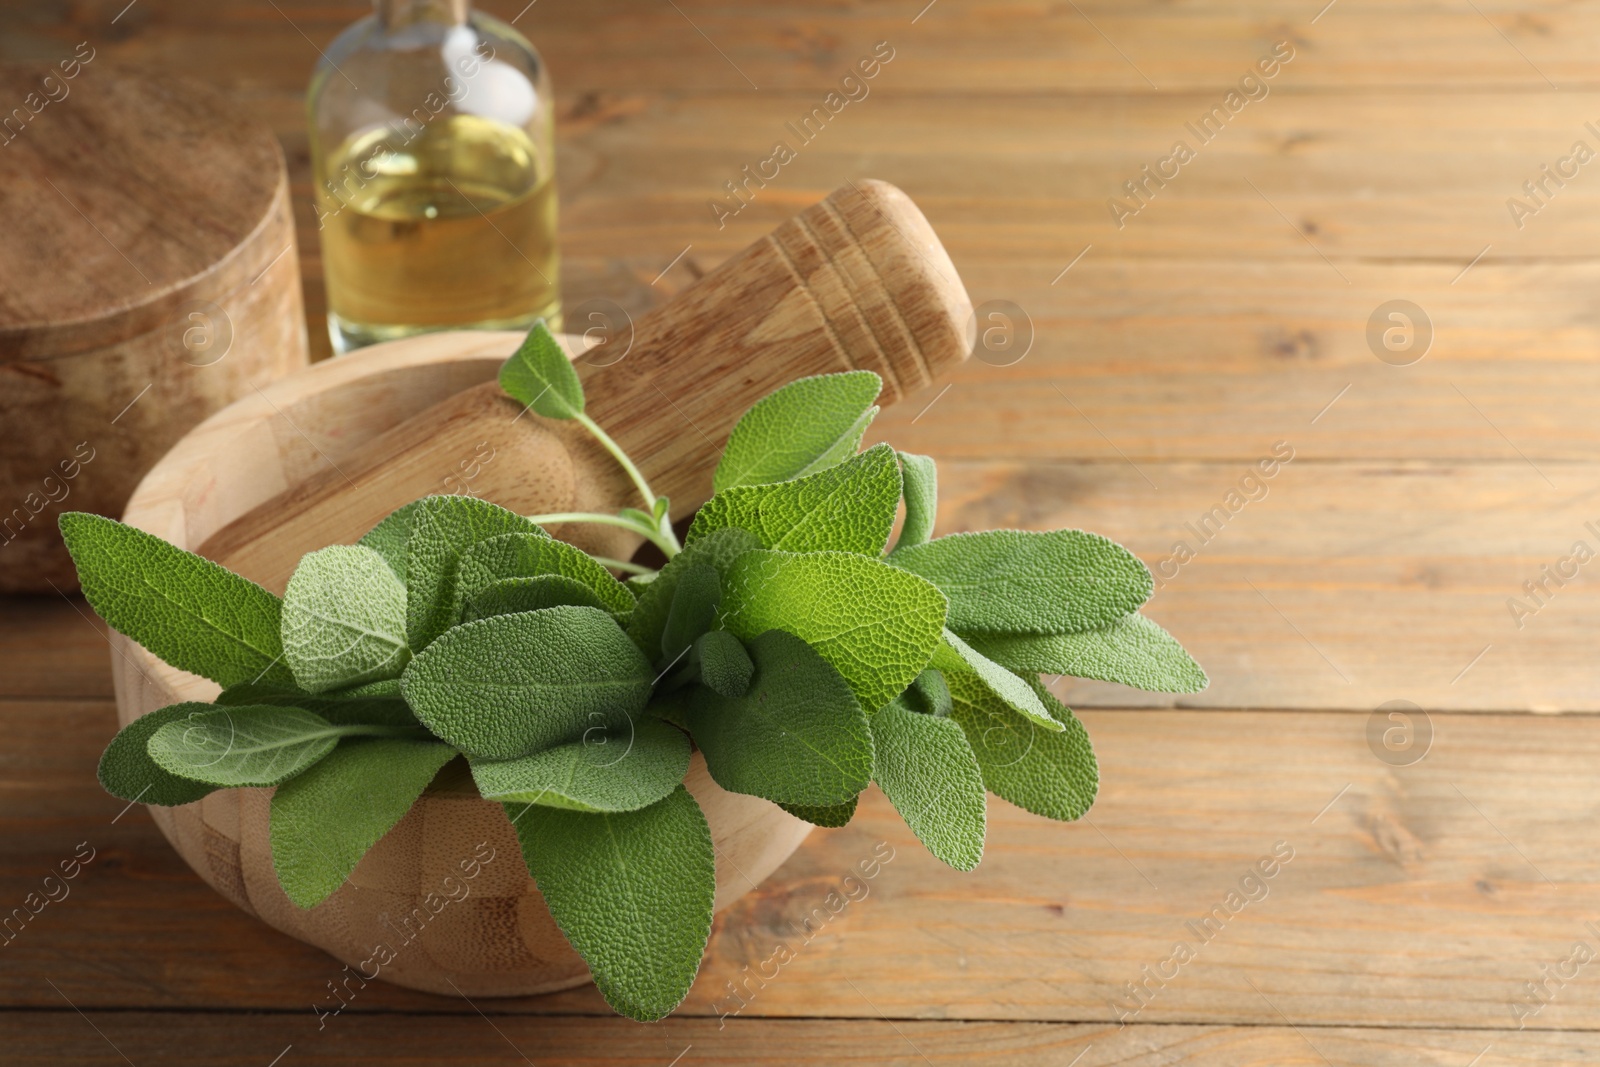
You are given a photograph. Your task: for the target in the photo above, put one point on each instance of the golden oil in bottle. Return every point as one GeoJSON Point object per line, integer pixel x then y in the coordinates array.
{"type": "Point", "coordinates": [449, 226]}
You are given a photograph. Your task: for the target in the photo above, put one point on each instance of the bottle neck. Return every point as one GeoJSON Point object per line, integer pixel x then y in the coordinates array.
{"type": "Point", "coordinates": [396, 13]}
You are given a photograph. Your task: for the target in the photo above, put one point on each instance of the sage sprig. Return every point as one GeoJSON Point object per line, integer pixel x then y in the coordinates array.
{"type": "Point", "coordinates": [784, 639]}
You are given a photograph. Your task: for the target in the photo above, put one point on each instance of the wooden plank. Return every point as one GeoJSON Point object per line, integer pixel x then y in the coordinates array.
{"type": "Point", "coordinates": [54, 647]}
{"type": "Point", "coordinates": [63, 1037]}
{"type": "Point", "coordinates": [1400, 875]}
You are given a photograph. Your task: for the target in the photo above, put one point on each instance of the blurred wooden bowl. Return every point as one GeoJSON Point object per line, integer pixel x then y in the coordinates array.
{"type": "Point", "coordinates": [498, 939]}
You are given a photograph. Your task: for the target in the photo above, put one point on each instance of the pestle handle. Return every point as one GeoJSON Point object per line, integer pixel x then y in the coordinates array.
{"type": "Point", "coordinates": [858, 281]}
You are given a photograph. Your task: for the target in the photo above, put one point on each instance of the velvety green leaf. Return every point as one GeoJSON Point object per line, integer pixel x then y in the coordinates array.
{"type": "Point", "coordinates": [506, 686]}
{"type": "Point", "coordinates": [391, 538]}
{"type": "Point", "coordinates": [649, 619]}
{"type": "Point", "coordinates": [876, 625]}
{"type": "Point", "coordinates": [1049, 774]}
{"type": "Point", "coordinates": [638, 583]}
{"type": "Point", "coordinates": [927, 770]}
{"type": "Point", "coordinates": [344, 619]}
{"type": "Point", "coordinates": [929, 694]}
{"type": "Point", "coordinates": [632, 891]}
{"type": "Point", "coordinates": [954, 654]}
{"type": "Point", "coordinates": [196, 615]}
{"type": "Point", "coordinates": [259, 744]}
{"type": "Point", "coordinates": [442, 528]}
{"type": "Point", "coordinates": [1131, 651]}
{"type": "Point", "coordinates": [847, 508]}
{"type": "Point", "coordinates": [829, 817]}
{"type": "Point", "coordinates": [376, 703]}
{"type": "Point", "coordinates": [534, 555]}
{"type": "Point", "coordinates": [128, 772]}
{"type": "Point", "coordinates": [508, 596]}
{"type": "Point", "coordinates": [1018, 581]}
{"type": "Point", "coordinates": [921, 481]}
{"type": "Point", "coordinates": [622, 769]}
{"type": "Point", "coordinates": [324, 820]}
{"type": "Point", "coordinates": [725, 666]}
{"type": "Point", "coordinates": [693, 611]}
{"type": "Point", "coordinates": [540, 375]}
{"type": "Point", "coordinates": [806, 426]}
{"type": "Point", "coordinates": [797, 736]}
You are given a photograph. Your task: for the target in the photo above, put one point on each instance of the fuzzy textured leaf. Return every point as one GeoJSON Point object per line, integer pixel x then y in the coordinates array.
{"type": "Point", "coordinates": [797, 735]}
{"type": "Point", "coordinates": [540, 375]}
{"type": "Point", "coordinates": [649, 619]}
{"type": "Point", "coordinates": [1131, 651]}
{"type": "Point", "coordinates": [927, 770]}
{"type": "Point", "coordinates": [846, 508]}
{"type": "Point", "coordinates": [806, 426]}
{"type": "Point", "coordinates": [631, 890]}
{"type": "Point", "coordinates": [1019, 581]}
{"type": "Point", "coordinates": [193, 613]}
{"type": "Point", "coordinates": [920, 478]}
{"type": "Point", "coordinates": [622, 769]}
{"type": "Point", "coordinates": [876, 625]}
{"type": "Point", "coordinates": [725, 666]}
{"type": "Point", "coordinates": [1049, 774]}
{"type": "Point", "coordinates": [323, 821]}
{"type": "Point", "coordinates": [258, 744]}
{"type": "Point", "coordinates": [954, 654]}
{"type": "Point", "coordinates": [533, 555]}
{"type": "Point", "coordinates": [442, 528]}
{"type": "Point", "coordinates": [391, 538]}
{"type": "Point", "coordinates": [377, 703]}
{"type": "Point", "coordinates": [128, 772]}
{"type": "Point", "coordinates": [829, 817]}
{"type": "Point", "coordinates": [509, 685]}
{"type": "Point", "coordinates": [693, 611]}
{"type": "Point", "coordinates": [344, 619]}
{"type": "Point", "coordinates": [929, 693]}
{"type": "Point", "coordinates": [511, 595]}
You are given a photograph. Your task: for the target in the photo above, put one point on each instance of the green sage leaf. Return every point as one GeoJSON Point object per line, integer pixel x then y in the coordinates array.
{"type": "Point", "coordinates": [257, 744]}
{"type": "Point", "coordinates": [806, 426]}
{"type": "Point", "coordinates": [650, 612]}
{"type": "Point", "coordinates": [725, 666]}
{"type": "Point", "coordinates": [622, 769]}
{"type": "Point", "coordinates": [875, 624]}
{"type": "Point", "coordinates": [797, 736]}
{"type": "Point", "coordinates": [847, 508]}
{"type": "Point", "coordinates": [829, 817]}
{"type": "Point", "coordinates": [632, 891]}
{"type": "Point", "coordinates": [344, 619]}
{"type": "Point", "coordinates": [927, 770]}
{"type": "Point", "coordinates": [391, 538]}
{"type": "Point", "coordinates": [509, 596]}
{"type": "Point", "coordinates": [1017, 581]}
{"type": "Point", "coordinates": [540, 375]}
{"type": "Point", "coordinates": [954, 654]}
{"type": "Point", "coordinates": [1049, 774]}
{"type": "Point", "coordinates": [442, 528]}
{"type": "Point", "coordinates": [920, 478]}
{"type": "Point", "coordinates": [929, 693]}
{"type": "Point", "coordinates": [693, 611]}
{"type": "Point", "coordinates": [1131, 651]}
{"type": "Point", "coordinates": [376, 703]}
{"type": "Point", "coordinates": [193, 613]}
{"type": "Point", "coordinates": [509, 685]}
{"type": "Point", "coordinates": [128, 772]}
{"type": "Point", "coordinates": [534, 555]}
{"type": "Point", "coordinates": [325, 819]}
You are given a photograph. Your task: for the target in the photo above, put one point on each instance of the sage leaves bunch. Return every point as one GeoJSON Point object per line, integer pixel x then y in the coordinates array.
{"type": "Point", "coordinates": [803, 654]}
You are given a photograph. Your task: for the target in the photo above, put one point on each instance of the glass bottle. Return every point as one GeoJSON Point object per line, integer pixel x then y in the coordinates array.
{"type": "Point", "coordinates": [433, 164]}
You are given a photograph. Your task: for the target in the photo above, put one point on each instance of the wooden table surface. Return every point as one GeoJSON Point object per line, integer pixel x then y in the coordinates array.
{"type": "Point", "coordinates": [1227, 317]}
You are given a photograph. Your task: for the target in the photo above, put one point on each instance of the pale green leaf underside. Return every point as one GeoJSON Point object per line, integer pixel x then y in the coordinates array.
{"type": "Point", "coordinates": [1049, 774]}
{"type": "Point", "coordinates": [193, 613]}
{"type": "Point", "coordinates": [344, 619]}
{"type": "Point", "coordinates": [954, 654]}
{"type": "Point", "coordinates": [505, 686]}
{"type": "Point", "coordinates": [258, 745]}
{"type": "Point", "coordinates": [927, 770]}
{"type": "Point", "coordinates": [801, 428]}
{"type": "Point", "coordinates": [622, 769]}
{"type": "Point", "coordinates": [532, 555]}
{"type": "Point", "coordinates": [921, 486]}
{"type": "Point", "coordinates": [127, 771]}
{"type": "Point", "coordinates": [325, 819]}
{"type": "Point", "coordinates": [796, 736]}
{"type": "Point", "coordinates": [632, 891]}
{"type": "Point", "coordinates": [540, 374]}
{"type": "Point", "coordinates": [846, 508]}
{"type": "Point", "coordinates": [442, 528]}
{"type": "Point", "coordinates": [649, 619]}
{"type": "Point", "coordinates": [876, 625]}
{"type": "Point", "coordinates": [1018, 581]}
{"type": "Point", "coordinates": [1131, 651]}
